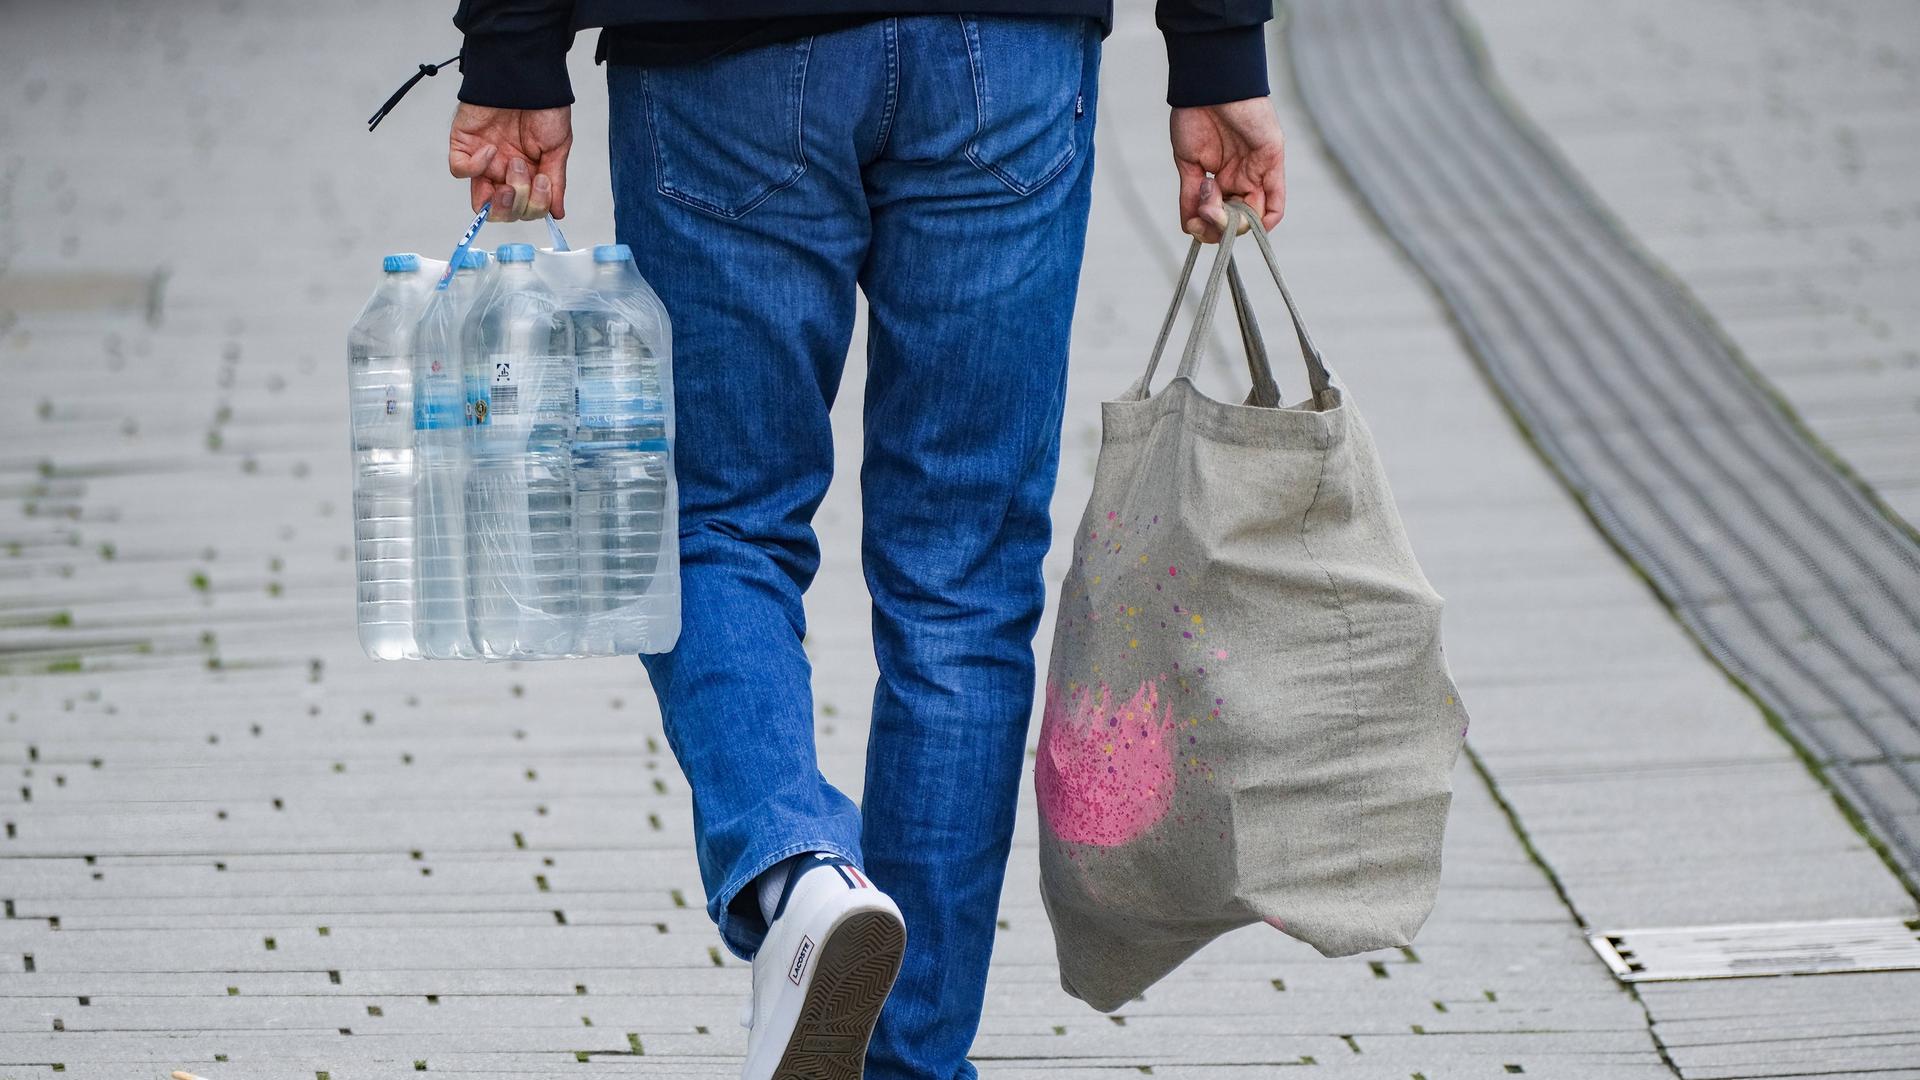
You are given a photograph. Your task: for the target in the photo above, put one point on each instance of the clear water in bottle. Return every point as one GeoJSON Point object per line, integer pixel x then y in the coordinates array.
{"type": "Point", "coordinates": [523, 575]}
{"type": "Point", "coordinates": [439, 421]}
{"type": "Point", "coordinates": [620, 454]}
{"type": "Point", "coordinates": [380, 350]}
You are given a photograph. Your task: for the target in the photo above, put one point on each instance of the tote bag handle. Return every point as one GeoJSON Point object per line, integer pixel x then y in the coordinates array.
{"type": "Point", "coordinates": [1265, 391]}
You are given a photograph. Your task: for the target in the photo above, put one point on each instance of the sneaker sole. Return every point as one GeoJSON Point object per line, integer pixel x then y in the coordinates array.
{"type": "Point", "coordinates": [856, 970]}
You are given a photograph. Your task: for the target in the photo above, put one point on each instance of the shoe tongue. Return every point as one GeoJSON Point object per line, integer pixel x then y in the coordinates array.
{"type": "Point", "coordinates": [830, 865]}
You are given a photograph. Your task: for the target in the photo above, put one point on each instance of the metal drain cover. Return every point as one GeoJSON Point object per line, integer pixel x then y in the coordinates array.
{"type": "Point", "coordinates": [1741, 950]}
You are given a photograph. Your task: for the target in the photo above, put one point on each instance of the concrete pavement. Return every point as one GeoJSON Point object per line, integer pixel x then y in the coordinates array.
{"type": "Point", "coordinates": [236, 847]}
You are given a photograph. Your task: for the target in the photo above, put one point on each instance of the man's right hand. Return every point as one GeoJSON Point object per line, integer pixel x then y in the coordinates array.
{"type": "Point", "coordinates": [517, 158]}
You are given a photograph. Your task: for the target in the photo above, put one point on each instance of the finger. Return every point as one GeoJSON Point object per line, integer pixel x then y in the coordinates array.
{"type": "Point", "coordinates": [520, 180]}
{"type": "Point", "coordinates": [479, 190]}
{"type": "Point", "coordinates": [553, 166]}
{"type": "Point", "coordinates": [1275, 197]}
{"type": "Point", "coordinates": [1213, 210]}
{"type": "Point", "coordinates": [466, 166]}
{"type": "Point", "coordinates": [502, 198]}
{"type": "Point", "coordinates": [541, 197]}
{"type": "Point", "coordinates": [1234, 204]}
{"type": "Point", "coordinates": [1192, 178]}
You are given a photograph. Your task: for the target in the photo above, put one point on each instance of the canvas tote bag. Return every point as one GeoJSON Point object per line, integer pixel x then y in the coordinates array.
{"type": "Point", "coordinates": [1248, 714]}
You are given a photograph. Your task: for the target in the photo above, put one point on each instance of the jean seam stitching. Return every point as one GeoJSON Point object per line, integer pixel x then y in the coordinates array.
{"type": "Point", "coordinates": [653, 131]}
{"type": "Point", "coordinates": [892, 34]}
{"type": "Point", "coordinates": [805, 60]}
{"type": "Point", "coordinates": [970, 33]}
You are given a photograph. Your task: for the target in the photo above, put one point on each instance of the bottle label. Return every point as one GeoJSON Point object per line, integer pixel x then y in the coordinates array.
{"type": "Point", "coordinates": [503, 393]}
{"type": "Point", "coordinates": [438, 402]}
{"type": "Point", "coordinates": [605, 406]}
{"type": "Point", "coordinates": [519, 391]}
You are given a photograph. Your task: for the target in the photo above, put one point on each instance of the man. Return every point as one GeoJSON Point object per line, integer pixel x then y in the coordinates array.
{"type": "Point", "coordinates": [938, 157]}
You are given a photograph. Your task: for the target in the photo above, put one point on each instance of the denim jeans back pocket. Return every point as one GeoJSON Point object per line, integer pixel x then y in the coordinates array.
{"type": "Point", "coordinates": [1028, 76]}
{"type": "Point", "coordinates": [726, 132]}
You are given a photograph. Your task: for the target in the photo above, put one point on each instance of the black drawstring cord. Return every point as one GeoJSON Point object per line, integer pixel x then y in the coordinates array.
{"type": "Point", "coordinates": [426, 71]}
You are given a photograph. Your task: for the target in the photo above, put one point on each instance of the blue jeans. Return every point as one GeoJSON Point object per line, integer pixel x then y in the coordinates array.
{"type": "Point", "coordinates": [943, 166]}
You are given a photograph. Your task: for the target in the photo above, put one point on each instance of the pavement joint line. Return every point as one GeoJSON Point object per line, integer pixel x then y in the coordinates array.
{"type": "Point", "coordinates": [1560, 890]}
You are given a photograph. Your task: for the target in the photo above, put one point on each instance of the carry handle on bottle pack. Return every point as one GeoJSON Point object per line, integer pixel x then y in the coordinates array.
{"type": "Point", "coordinates": [512, 437]}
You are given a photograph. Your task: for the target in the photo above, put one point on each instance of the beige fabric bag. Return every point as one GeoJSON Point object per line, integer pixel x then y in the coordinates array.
{"type": "Point", "coordinates": [1248, 713]}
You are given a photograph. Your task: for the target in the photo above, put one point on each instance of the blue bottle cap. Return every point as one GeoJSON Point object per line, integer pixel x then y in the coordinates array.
{"type": "Point", "coordinates": [612, 253]}
{"type": "Point", "coordinates": [400, 264]}
{"type": "Point", "coordinates": [510, 253]}
{"type": "Point", "coordinates": [472, 259]}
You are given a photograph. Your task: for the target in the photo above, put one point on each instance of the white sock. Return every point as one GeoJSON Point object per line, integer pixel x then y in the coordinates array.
{"type": "Point", "coordinates": [772, 882]}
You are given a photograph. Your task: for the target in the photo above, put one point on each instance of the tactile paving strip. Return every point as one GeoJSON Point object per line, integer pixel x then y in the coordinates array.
{"type": "Point", "coordinates": [1786, 571]}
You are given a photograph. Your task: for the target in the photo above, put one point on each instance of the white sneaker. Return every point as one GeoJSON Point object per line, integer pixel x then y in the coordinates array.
{"type": "Point", "coordinates": [822, 974]}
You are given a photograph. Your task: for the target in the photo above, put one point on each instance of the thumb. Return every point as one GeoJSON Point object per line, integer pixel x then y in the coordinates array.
{"type": "Point", "coordinates": [553, 166]}
{"type": "Point", "coordinates": [466, 165]}
{"type": "Point", "coordinates": [1213, 210]}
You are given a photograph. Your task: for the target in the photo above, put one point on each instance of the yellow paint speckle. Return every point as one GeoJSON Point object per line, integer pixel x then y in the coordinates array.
{"type": "Point", "coordinates": [1134, 644]}
{"type": "Point", "coordinates": [1196, 620]}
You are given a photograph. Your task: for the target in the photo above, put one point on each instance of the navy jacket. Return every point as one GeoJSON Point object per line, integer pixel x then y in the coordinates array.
{"type": "Point", "coordinates": [515, 53]}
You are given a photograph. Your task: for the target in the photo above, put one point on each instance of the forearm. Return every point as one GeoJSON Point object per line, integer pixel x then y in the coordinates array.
{"type": "Point", "coordinates": [514, 55]}
{"type": "Point", "coordinates": [1216, 49]}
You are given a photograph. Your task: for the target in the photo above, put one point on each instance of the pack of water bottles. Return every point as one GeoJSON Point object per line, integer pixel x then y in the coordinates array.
{"type": "Point", "coordinates": [512, 423]}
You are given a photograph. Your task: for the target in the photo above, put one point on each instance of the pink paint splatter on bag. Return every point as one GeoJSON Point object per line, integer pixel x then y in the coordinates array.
{"type": "Point", "coordinates": [1105, 772]}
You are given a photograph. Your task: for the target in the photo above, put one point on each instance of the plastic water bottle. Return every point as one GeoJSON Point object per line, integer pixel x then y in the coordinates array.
{"type": "Point", "coordinates": [621, 467]}
{"type": "Point", "coordinates": [523, 574]}
{"type": "Point", "coordinates": [380, 351]}
{"type": "Point", "coordinates": [439, 421]}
